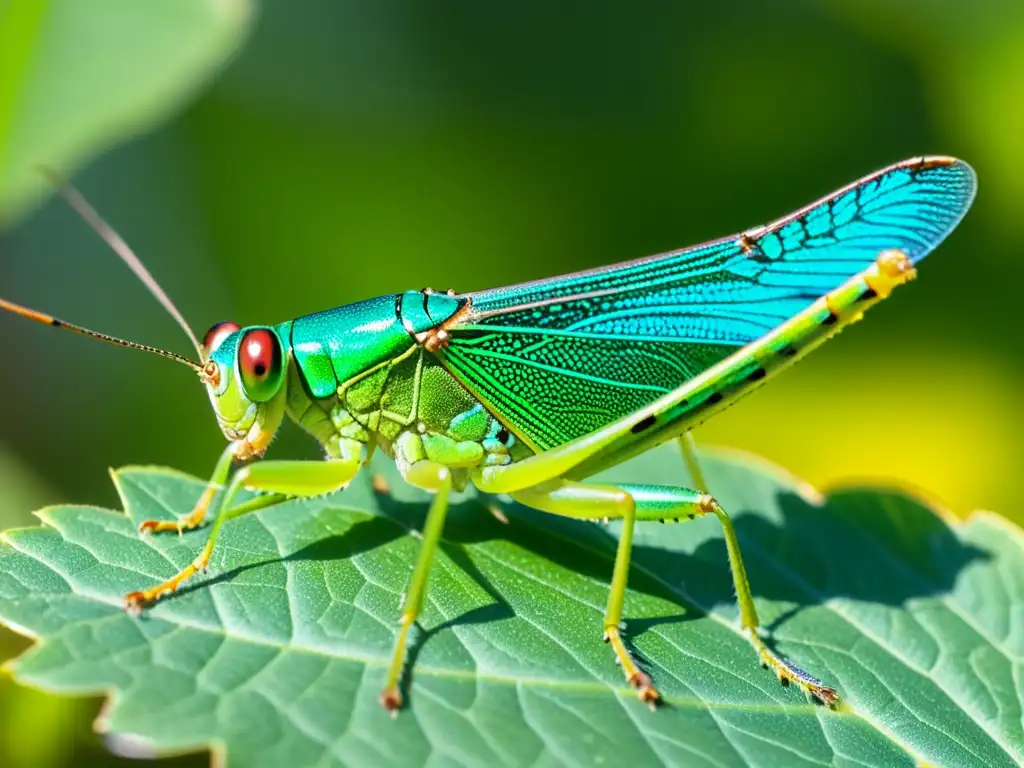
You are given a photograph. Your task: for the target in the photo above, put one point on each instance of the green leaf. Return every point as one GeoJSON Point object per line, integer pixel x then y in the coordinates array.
{"type": "Point", "coordinates": [75, 77]}
{"type": "Point", "coordinates": [278, 654]}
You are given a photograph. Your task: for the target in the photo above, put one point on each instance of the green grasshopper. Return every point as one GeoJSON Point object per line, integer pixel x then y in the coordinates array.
{"type": "Point", "coordinates": [529, 390]}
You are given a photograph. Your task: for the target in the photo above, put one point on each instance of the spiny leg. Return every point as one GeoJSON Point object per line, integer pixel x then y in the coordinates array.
{"type": "Point", "coordinates": [596, 501]}
{"type": "Point", "coordinates": [661, 502]}
{"type": "Point", "coordinates": [784, 670]}
{"type": "Point", "coordinates": [435, 477]}
{"type": "Point", "coordinates": [656, 502]}
{"type": "Point", "coordinates": [198, 513]}
{"type": "Point", "coordinates": [291, 478]}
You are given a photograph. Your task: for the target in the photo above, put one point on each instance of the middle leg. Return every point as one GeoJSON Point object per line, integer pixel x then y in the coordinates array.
{"type": "Point", "coordinates": [580, 500]}
{"type": "Point", "coordinates": [436, 478]}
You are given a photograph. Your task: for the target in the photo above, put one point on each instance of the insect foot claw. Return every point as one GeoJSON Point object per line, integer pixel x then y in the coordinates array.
{"type": "Point", "coordinates": [160, 526]}
{"type": "Point", "coordinates": [645, 689]}
{"type": "Point", "coordinates": [816, 689]}
{"type": "Point", "coordinates": [790, 673]}
{"type": "Point", "coordinates": [391, 700]}
{"type": "Point", "coordinates": [134, 602]}
{"type": "Point", "coordinates": [827, 696]}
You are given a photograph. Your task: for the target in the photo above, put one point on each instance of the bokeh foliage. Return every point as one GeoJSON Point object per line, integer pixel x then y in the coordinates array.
{"type": "Point", "coordinates": [76, 77]}
{"type": "Point", "coordinates": [355, 148]}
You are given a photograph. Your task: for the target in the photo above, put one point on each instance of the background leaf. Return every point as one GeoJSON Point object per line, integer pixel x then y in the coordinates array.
{"type": "Point", "coordinates": [279, 654]}
{"type": "Point", "coordinates": [75, 77]}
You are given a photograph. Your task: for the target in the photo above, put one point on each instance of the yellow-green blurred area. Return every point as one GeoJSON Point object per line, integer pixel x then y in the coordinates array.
{"type": "Point", "coordinates": [354, 149]}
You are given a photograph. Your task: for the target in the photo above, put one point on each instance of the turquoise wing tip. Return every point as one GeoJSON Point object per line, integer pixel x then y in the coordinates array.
{"type": "Point", "coordinates": [941, 192]}
{"type": "Point", "coordinates": [960, 174]}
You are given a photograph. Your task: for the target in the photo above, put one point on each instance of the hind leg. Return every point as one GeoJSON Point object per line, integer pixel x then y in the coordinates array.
{"type": "Point", "coordinates": [660, 502]}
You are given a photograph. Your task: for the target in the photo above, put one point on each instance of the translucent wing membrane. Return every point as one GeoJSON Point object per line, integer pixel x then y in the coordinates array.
{"type": "Point", "coordinates": [561, 357]}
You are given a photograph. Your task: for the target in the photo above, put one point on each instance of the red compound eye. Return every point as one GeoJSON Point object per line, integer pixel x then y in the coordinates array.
{"type": "Point", "coordinates": [259, 360]}
{"type": "Point", "coordinates": [216, 335]}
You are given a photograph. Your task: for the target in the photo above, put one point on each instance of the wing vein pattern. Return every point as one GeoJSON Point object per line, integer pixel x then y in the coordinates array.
{"type": "Point", "coordinates": [561, 357]}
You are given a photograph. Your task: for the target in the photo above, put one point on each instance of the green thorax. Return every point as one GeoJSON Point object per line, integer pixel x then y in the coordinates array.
{"type": "Point", "coordinates": [363, 371]}
{"type": "Point", "coordinates": [332, 347]}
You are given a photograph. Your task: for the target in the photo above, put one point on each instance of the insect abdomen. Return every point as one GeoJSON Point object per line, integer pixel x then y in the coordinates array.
{"type": "Point", "coordinates": [743, 372]}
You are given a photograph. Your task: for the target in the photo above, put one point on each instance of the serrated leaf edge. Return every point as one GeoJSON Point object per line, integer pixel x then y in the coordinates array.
{"type": "Point", "coordinates": [806, 490]}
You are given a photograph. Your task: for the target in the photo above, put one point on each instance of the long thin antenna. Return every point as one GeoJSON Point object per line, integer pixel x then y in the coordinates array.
{"type": "Point", "coordinates": [121, 248]}
{"type": "Point", "coordinates": [41, 317]}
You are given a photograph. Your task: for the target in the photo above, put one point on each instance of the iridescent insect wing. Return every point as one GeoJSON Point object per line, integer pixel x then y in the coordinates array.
{"type": "Point", "coordinates": [558, 358]}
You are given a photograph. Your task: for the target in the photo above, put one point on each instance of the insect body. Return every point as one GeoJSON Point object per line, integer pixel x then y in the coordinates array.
{"type": "Point", "coordinates": [531, 389]}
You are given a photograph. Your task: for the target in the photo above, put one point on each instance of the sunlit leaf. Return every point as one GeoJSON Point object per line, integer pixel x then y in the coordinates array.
{"type": "Point", "coordinates": [278, 655]}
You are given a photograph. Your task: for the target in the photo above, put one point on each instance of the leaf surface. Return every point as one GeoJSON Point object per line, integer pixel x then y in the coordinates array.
{"type": "Point", "coordinates": [277, 655]}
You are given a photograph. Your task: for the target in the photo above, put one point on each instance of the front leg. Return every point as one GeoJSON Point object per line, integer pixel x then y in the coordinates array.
{"type": "Point", "coordinates": [290, 478]}
{"type": "Point", "coordinates": [195, 518]}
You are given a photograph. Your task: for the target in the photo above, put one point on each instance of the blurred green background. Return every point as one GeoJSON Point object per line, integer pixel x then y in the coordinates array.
{"type": "Point", "coordinates": [359, 148]}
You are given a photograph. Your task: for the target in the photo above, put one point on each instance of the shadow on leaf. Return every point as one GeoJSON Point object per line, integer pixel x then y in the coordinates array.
{"type": "Point", "coordinates": [872, 546]}
{"type": "Point", "coordinates": [879, 547]}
